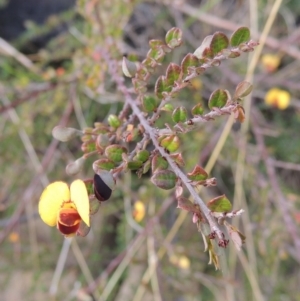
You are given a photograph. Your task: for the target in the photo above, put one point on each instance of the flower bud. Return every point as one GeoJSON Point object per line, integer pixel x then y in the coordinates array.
{"type": "Point", "coordinates": [104, 183]}
{"type": "Point", "coordinates": [75, 167]}
{"type": "Point", "coordinates": [114, 121]}
{"type": "Point", "coordinates": [65, 134]}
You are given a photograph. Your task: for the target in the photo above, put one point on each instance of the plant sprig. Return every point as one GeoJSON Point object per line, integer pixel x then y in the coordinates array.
{"type": "Point", "coordinates": [158, 149]}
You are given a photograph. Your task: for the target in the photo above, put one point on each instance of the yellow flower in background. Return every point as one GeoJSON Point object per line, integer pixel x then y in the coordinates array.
{"type": "Point", "coordinates": [270, 61]}
{"type": "Point", "coordinates": [278, 98]}
{"type": "Point", "coordinates": [65, 208]}
{"type": "Point", "coordinates": [139, 211]}
{"type": "Point", "coordinates": [181, 261]}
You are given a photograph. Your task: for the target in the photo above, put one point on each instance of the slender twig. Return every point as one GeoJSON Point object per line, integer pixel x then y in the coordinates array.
{"type": "Point", "coordinates": [60, 266]}
{"type": "Point", "coordinates": [82, 263]}
{"type": "Point", "coordinates": [77, 107]}
{"type": "Point", "coordinates": [282, 164]}
{"type": "Point", "coordinates": [29, 192]}
{"type": "Point", "coordinates": [31, 95]}
{"type": "Point", "coordinates": [281, 201]}
{"type": "Point", "coordinates": [8, 49]}
{"type": "Point", "coordinates": [152, 258]}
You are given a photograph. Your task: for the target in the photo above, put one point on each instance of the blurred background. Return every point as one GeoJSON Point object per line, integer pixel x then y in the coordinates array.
{"type": "Point", "coordinates": [139, 248]}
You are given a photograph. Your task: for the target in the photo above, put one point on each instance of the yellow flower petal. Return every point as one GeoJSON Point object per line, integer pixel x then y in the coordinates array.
{"type": "Point", "coordinates": [270, 61]}
{"type": "Point", "coordinates": [139, 211]}
{"type": "Point", "coordinates": [271, 96]}
{"type": "Point", "coordinates": [284, 100]}
{"type": "Point", "coordinates": [278, 98]}
{"type": "Point", "coordinates": [184, 262]}
{"type": "Point", "coordinates": [51, 201]}
{"type": "Point", "coordinates": [181, 261]}
{"type": "Point", "coordinates": [80, 198]}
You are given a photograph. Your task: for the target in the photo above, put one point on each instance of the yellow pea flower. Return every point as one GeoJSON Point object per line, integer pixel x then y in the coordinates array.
{"type": "Point", "coordinates": [278, 98]}
{"type": "Point", "coordinates": [180, 261]}
{"type": "Point", "coordinates": [139, 211]}
{"type": "Point", "coordinates": [65, 208]}
{"type": "Point", "coordinates": [270, 62]}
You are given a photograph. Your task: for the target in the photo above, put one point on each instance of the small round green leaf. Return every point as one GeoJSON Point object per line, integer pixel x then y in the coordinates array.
{"type": "Point", "coordinates": [198, 174]}
{"type": "Point", "coordinates": [114, 152]}
{"type": "Point", "coordinates": [114, 121]}
{"type": "Point", "coordinates": [156, 43]}
{"type": "Point", "coordinates": [142, 155]}
{"type": "Point", "coordinates": [219, 42]}
{"type": "Point", "coordinates": [88, 146]}
{"type": "Point", "coordinates": [161, 86]}
{"type": "Point", "coordinates": [198, 109]}
{"type": "Point", "coordinates": [186, 204]}
{"type": "Point", "coordinates": [241, 35]}
{"type": "Point", "coordinates": [134, 164]}
{"type": "Point", "coordinates": [243, 89]}
{"type": "Point", "coordinates": [168, 107]}
{"type": "Point", "coordinates": [157, 54]}
{"type": "Point", "coordinates": [149, 104]}
{"type": "Point", "coordinates": [179, 114]}
{"type": "Point", "coordinates": [219, 204]}
{"type": "Point", "coordinates": [189, 60]}
{"type": "Point", "coordinates": [159, 163]}
{"type": "Point", "coordinates": [170, 143]}
{"type": "Point", "coordinates": [173, 73]}
{"type": "Point", "coordinates": [104, 163]}
{"type": "Point", "coordinates": [174, 37]}
{"type": "Point", "coordinates": [164, 179]}
{"type": "Point", "coordinates": [218, 99]}
{"type": "Point", "coordinates": [100, 128]}
{"type": "Point", "coordinates": [178, 159]}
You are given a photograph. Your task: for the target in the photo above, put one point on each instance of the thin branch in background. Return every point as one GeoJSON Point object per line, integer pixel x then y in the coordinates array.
{"type": "Point", "coordinates": [278, 195]}
{"type": "Point", "coordinates": [152, 258]}
{"type": "Point", "coordinates": [9, 50]}
{"type": "Point", "coordinates": [60, 266]}
{"type": "Point", "coordinates": [30, 191]}
{"type": "Point", "coordinates": [83, 265]}
{"type": "Point", "coordinates": [242, 151]}
{"type": "Point", "coordinates": [225, 24]}
{"type": "Point", "coordinates": [34, 92]}
{"type": "Point", "coordinates": [101, 280]}
{"type": "Point", "coordinates": [283, 165]}
{"type": "Point", "coordinates": [43, 178]}
{"type": "Point", "coordinates": [77, 106]}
